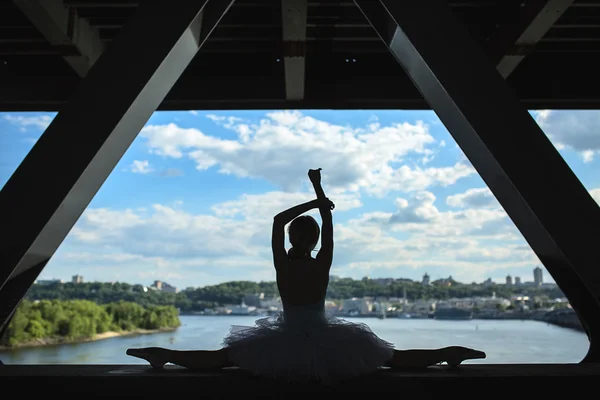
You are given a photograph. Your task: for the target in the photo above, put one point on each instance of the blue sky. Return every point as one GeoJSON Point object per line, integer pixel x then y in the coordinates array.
{"type": "Point", "coordinates": [192, 200]}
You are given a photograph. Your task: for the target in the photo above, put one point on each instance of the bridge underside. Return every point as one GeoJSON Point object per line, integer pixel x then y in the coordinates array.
{"type": "Point", "coordinates": [548, 57]}
{"type": "Point", "coordinates": [478, 64]}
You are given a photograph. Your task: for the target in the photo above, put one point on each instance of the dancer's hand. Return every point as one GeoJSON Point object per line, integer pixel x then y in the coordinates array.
{"type": "Point", "coordinates": [326, 203]}
{"type": "Point", "coordinates": [315, 175]}
{"type": "Point", "coordinates": [455, 355]}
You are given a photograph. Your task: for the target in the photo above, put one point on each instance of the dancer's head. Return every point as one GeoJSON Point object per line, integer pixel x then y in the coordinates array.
{"type": "Point", "coordinates": [304, 233]}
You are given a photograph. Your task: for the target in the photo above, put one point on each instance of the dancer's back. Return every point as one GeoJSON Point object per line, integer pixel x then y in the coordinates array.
{"type": "Point", "coordinates": [302, 282]}
{"type": "Point", "coordinates": [301, 279]}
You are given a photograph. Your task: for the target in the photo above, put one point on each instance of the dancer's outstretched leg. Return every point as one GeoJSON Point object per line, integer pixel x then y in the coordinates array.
{"type": "Point", "coordinates": [192, 359]}
{"type": "Point", "coordinates": [453, 355]}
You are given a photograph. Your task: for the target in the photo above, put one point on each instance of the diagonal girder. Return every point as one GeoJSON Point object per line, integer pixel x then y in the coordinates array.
{"type": "Point", "coordinates": [90, 134]}
{"type": "Point", "coordinates": [548, 204]}
{"type": "Point", "coordinates": [540, 17]}
{"type": "Point", "coordinates": [62, 27]}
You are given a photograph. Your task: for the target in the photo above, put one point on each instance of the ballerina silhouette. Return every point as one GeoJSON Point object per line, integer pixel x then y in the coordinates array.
{"type": "Point", "coordinates": [303, 342]}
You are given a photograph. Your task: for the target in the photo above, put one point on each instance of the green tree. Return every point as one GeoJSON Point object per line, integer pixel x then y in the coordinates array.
{"type": "Point", "coordinates": [83, 319]}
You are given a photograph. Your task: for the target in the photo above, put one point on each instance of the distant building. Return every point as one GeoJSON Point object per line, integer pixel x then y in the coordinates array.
{"type": "Point", "coordinates": [549, 285]}
{"type": "Point", "coordinates": [491, 303]}
{"type": "Point", "coordinates": [384, 281]}
{"type": "Point", "coordinates": [426, 280]}
{"type": "Point", "coordinates": [169, 289]}
{"type": "Point", "coordinates": [77, 279]}
{"type": "Point", "coordinates": [360, 306]}
{"type": "Point", "coordinates": [517, 280]}
{"type": "Point", "coordinates": [488, 282]}
{"type": "Point", "coordinates": [271, 304]}
{"type": "Point", "coordinates": [509, 280]}
{"type": "Point", "coordinates": [163, 287]}
{"type": "Point", "coordinates": [455, 303]}
{"type": "Point", "coordinates": [45, 282]}
{"type": "Point", "coordinates": [331, 306]}
{"type": "Point", "coordinates": [404, 296]}
{"type": "Point", "coordinates": [538, 277]}
{"type": "Point", "coordinates": [444, 282]}
{"type": "Point", "coordinates": [253, 300]}
{"type": "Point", "coordinates": [420, 306]}
{"type": "Point", "coordinates": [242, 309]}
{"type": "Point", "coordinates": [156, 285]}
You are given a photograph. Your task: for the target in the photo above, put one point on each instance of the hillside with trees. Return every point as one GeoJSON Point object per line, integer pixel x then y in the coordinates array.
{"type": "Point", "coordinates": [59, 321]}
{"type": "Point", "coordinates": [197, 299]}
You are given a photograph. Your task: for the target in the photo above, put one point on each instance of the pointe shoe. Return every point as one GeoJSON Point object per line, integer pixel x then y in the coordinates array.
{"type": "Point", "coordinates": [153, 357]}
{"type": "Point", "coordinates": [459, 354]}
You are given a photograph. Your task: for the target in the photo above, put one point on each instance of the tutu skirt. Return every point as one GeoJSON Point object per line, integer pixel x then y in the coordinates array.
{"type": "Point", "coordinates": [304, 345]}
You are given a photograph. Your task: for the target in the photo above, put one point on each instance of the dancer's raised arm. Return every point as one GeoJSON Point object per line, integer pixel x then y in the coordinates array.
{"type": "Point", "coordinates": [325, 254]}
{"type": "Point", "coordinates": [279, 222]}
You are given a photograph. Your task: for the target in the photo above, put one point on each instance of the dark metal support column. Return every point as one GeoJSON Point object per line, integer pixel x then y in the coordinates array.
{"type": "Point", "coordinates": [59, 177]}
{"type": "Point", "coordinates": [293, 17]}
{"type": "Point", "coordinates": [62, 27]}
{"type": "Point", "coordinates": [540, 193]}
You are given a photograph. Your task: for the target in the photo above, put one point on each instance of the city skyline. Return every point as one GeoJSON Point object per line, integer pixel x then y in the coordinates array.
{"type": "Point", "coordinates": [425, 279]}
{"type": "Point", "coordinates": [192, 200]}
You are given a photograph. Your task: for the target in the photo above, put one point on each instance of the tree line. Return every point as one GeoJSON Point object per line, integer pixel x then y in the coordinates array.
{"type": "Point", "coordinates": [72, 320]}
{"type": "Point", "coordinates": [197, 299]}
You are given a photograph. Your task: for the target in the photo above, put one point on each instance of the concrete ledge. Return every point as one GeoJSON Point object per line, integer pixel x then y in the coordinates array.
{"type": "Point", "coordinates": [472, 381]}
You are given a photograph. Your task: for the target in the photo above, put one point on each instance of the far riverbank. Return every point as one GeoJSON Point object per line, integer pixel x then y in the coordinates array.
{"type": "Point", "coordinates": [564, 318]}
{"type": "Point", "coordinates": [101, 336]}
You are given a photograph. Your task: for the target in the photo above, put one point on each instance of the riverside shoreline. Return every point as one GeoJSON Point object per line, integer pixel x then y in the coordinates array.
{"type": "Point", "coordinates": [563, 318]}
{"type": "Point", "coordinates": [47, 342]}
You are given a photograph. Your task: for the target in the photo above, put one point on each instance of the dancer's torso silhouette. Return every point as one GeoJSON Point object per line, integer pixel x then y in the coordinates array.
{"type": "Point", "coordinates": [302, 285]}
{"type": "Point", "coordinates": [302, 282]}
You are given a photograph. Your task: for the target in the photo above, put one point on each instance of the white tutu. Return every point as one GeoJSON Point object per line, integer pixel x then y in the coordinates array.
{"type": "Point", "coordinates": [303, 343]}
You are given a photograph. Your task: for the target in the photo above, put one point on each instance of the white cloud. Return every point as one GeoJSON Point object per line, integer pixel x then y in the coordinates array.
{"type": "Point", "coordinates": [163, 231]}
{"type": "Point", "coordinates": [469, 243]}
{"type": "Point", "coordinates": [596, 194]}
{"type": "Point", "coordinates": [171, 172]}
{"type": "Point", "coordinates": [140, 167]}
{"type": "Point", "coordinates": [265, 206]}
{"type": "Point", "coordinates": [473, 198]}
{"type": "Point", "coordinates": [114, 258]}
{"type": "Point", "coordinates": [283, 146]}
{"type": "Point", "coordinates": [233, 242]}
{"type": "Point", "coordinates": [577, 130]}
{"type": "Point", "coordinates": [483, 198]}
{"type": "Point", "coordinates": [40, 122]}
{"type": "Point", "coordinates": [419, 216]}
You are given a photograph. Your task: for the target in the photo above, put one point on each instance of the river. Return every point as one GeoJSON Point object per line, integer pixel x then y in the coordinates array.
{"type": "Point", "coordinates": [503, 341]}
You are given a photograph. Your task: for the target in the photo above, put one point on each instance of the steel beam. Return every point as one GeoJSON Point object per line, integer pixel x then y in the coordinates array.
{"type": "Point", "coordinates": [255, 92]}
{"type": "Point", "coordinates": [51, 188]}
{"type": "Point", "coordinates": [513, 18]}
{"type": "Point", "coordinates": [62, 27]}
{"type": "Point", "coordinates": [293, 18]}
{"type": "Point", "coordinates": [535, 31]}
{"type": "Point", "coordinates": [548, 204]}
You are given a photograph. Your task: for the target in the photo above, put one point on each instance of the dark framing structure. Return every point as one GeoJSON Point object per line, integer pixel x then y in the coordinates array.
{"type": "Point", "coordinates": [450, 70]}
{"type": "Point", "coordinates": [545, 49]}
